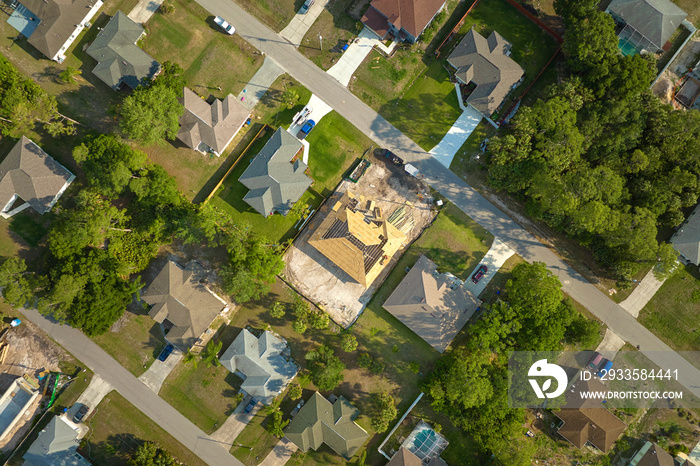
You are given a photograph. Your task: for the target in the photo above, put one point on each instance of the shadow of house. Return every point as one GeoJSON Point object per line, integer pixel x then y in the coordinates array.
{"type": "Point", "coordinates": [120, 62]}
{"type": "Point", "coordinates": [321, 421]}
{"type": "Point", "coordinates": [264, 362]}
{"type": "Point", "coordinates": [29, 177]}
{"type": "Point", "coordinates": [434, 305]}
{"type": "Point", "coordinates": [404, 19]}
{"type": "Point", "coordinates": [182, 303]}
{"type": "Point", "coordinates": [51, 26]}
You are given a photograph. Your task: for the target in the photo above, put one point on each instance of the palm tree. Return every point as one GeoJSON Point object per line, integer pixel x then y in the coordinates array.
{"type": "Point", "coordinates": [190, 357]}
{"type": "Point", "coordinates": [68, 76]}
{"type": "Point", "coordinates": [211, 353]}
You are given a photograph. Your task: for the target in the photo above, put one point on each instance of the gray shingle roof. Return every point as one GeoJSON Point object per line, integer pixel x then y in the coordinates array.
{"type": "Point", "coordinates": [276, 184]}
{"type": "Point", "coordinates": [33, 175]}
{"type": "Point", "coordinates": [119, 59]}
{"type": "Point", "coordinates": [656, 20]}
{"type": "Point", "coordinates": [263, 361]}
{"type": "Point", "coordinates": [55, 446]}
{"type": "Point", "coordinates": [484, 62]}
{"type": "Point", "coordinates": [58, 21]}
{"type": "Point", "coordinates": [320, 421]}
{"type": "Point", "coordinates": [214, 125]}
{"type": "Point", "coordinates": [180, 297]}
{"type": "Point", "coordinates": [435, 306]}
{"type": "Point", "coordinates": [687, 239]}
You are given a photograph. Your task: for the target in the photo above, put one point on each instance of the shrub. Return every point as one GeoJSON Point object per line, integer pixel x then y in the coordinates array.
{"type": "Point", "coordinates": [414, 367]}
{"type": "Point", "coordinates": [299, 326]}
{"type": "Point", "coordinates": [364, 360]}
{"type": "Point", "coordinates": [300, 307]}
{"type": "Point", "coordinates": [386, 412]}
{"type": "Point", "coordinates": [377, 367]}
{"type": "Point", "coordinates": [348, 342]}
{"type": "Point", "coordinates": [695, 297]}
{"type": "Point", "coordinates": [278, 310]}
{"type": "Point", "coordinates": [294, 392]}
{"type": "Point", "coordinates": [166, 7]}
{"type": "Point", "coordinates": [319, 320]}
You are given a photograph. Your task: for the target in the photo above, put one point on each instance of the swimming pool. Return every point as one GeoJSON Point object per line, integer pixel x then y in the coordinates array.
{"type": "Point", "coordinates": [627, 48]}
{"type": "Point", "coordinates": [424, 442]}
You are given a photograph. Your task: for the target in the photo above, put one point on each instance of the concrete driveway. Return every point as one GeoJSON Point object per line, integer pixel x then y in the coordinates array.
{"type": "Point", "coordinates": [494, 260]}
{"type": "Point", "coordinates": [92, 395]}
{"type": "Point", "coordinates": [236, 422]}
{"type": "Point", "coordinates": [280, 454]}
{"type": "Point", "coordinates": [354, 56]}
{"type": "Point", "coordinates": [297, 28]}
{"type": "Point", "coordinates": [259, 83]}
{"type": "Point", "coordinates": [143, 10]}
{"type": "Point", "coordinates": [641, 295]}
{"type": "Point", "coordinates": [154, 377]}
{"type": "Point", "coordinates": [455, 138]}
{"type": "Point", "coordinates": [610, 345]}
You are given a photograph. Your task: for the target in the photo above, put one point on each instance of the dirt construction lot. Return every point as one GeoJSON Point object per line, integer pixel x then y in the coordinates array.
{"type": "Point", "coordinates": [324, 283]}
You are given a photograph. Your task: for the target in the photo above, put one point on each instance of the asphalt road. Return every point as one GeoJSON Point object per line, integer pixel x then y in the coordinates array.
{"type": "Point", "coordinates": [138, 394]}
{"type": "Point", "coordinates": [451, 186]}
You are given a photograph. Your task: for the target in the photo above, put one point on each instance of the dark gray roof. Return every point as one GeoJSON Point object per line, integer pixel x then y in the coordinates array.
{"type": "Point", "coordinates": [275, 183]}
{"type": "Point", "coordinates": [56, 445]}
{"type": "Point", "coordinates": [180, 297]}
{"type": "Point", "coordinates": [687, 239]}
{"type": "Point", "coordinates": [119, 59]}
{"type": "Point", "coordinates": [33, 175]}
{"type": "Point", "coordinates": [264, 362]}
{"type": "Point", "coordinates": [656, 20]}
{"type": "Point", "coordinates": [214, 125]}
{"type": "Point", "coordinates": [58, 21]}
{"type": "Point", "coordinates": [485, 63]}
{"type": "Point", "coordinates": [435, 306]}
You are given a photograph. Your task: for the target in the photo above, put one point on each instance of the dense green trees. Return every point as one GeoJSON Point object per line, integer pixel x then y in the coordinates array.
{"type": "Point", "coordinates": [385, 412]}
{"type": "Point", "coordinates": [325, 368]}
{"type": "Point", "coordinates": [150, 454]}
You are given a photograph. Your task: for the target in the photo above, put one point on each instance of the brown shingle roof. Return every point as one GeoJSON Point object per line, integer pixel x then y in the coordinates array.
{"type": "Point", "coordinates": [33, 175]}
{"type": "Point", "coordinates": [435, 306]}
{"type": "Point", "coordinates": [484, 62]}
{"type": "Point", "coordinates": [652, 455]}
{"type": "Point", "coordinates": [411, 15]}
{"type": "Point", "coordinates": [404, 457]}
{"type": "Point", "coordinates": [179, 296]}
{"type": "Point", "coordinates": [215, 125]}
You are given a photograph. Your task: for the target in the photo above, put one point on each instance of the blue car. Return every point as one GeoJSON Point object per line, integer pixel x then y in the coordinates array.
{"type": "Point", "coordinates": [306, 129]}
{"type": "Point", "coordinates": [251, 405]}
{"type": "Point", "coordinates": [605, 368]}
{"type": "Point", "coordinates": [165, 353]}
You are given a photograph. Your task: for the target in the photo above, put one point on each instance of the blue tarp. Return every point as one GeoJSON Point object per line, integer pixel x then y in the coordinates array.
{"type": "Point", "coordinates": [24, 21]}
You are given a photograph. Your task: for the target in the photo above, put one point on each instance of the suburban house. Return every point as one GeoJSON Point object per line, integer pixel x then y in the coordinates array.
{"type": "Point", "coordinates": [645, 24]}
{"type": "Point", "coordinates": [586, 420]}
{"type": "Point", "coordinates": [652, 455]}
{"type": "Point", "coordinates": [263, 362]}
{"type": "Point", "coordinates": [51, 26]}
{"type": "Point", "coordinates": [57, 445]}
{"type": "Point", "coordinates": [434, 305]}
{"type": "Point", "coordinates": [29, 177]}
{"type": "Point", "coordinates": [422, 447]}
{"type": "Point", "coordinates": [485, 71]}
{"type": "Point", "coordinates": [14, 403]}
{"type": "Point", "coordinates": [276, 177]}
{"type": "Point", "coordinates": [321, 420]}
{"type": "Point", "coordinates": [356, 237]}
{"type": "Point", "coordinates": [404, 19]}
{"type": "Point", "coordinates": [211, 127]}
{"type": "Point", "coordinates": [120, 62]}
{"type": "Point", "coordinates": [182, 303]}
{"type": "Point", "coordinates": [687, 239]}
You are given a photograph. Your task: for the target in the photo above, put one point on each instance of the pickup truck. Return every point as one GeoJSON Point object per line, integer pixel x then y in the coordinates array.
{"type": "Point", "coordinates": [221, 22]}
{"type": "Point", "coordinates": [306, 129]}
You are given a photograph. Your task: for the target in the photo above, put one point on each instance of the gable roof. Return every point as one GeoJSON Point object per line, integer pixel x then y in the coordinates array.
{"type": "Point", "coordinates": [319, 421]}
{"type": "Point", "coordinates": [275, 182]}
{"type": "Point", "coordinates": [33, 175]}
{"type": "Point", "coordinates": [355, 240]}
{"type": "Point", "coordinates": [179, 296]}
{"type": "Point", "coordinates": [262, 361]}
{"type": "Point", "coordinates": [435, 306]}
{"type": "Point", "coordinates": [404, 457]}
{"type": "Point", "coordinates": [58, 20]}
{"type": "Point", "coordinates": [484, 62]}
{"type": "Point", "coordinates": [212, 124]}
{"type": "Point", "coordinates": [652, 455]}
{"type": "Point", "coordinates": [586, 420]}
{"type": "Point", "coordinates": [411, 15]}
{"type": "Point", "coordinates": [119, 59]}
{"type": "Point", "coordinates": [656, 20]}
{"type": "Point", "coordinates": [56, 445]}
{"type": "Point", "coordinates": [687, 239]}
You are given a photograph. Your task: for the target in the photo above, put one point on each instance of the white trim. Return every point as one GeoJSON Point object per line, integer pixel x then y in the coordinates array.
{"type": "Point", "coordinates": [59, 57]}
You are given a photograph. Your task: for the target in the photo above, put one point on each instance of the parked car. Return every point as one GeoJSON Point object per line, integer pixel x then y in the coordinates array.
{"type": "Point", "coordinates": [393, 158]}
{"type": "Point", "coordinates": [228, 28]}
{"type": "Point", "coordinates": [605, 368]}
{"type": "Point", "coordinates": [80, 414]}
{"type": "Point", "coordinates": [479, 273]}
{"type": "Point", "coordinates": [306, 129]}
{"type": "Point", "coordinates": [251, 405]}
{"type": "Point", "coordinates": [165, 353]}
{"type": "Point", "coordinates": [305, 7]}
{"type": "Point", "coordinates": [594, 362]}
{"type": "Point", "coordinates": [302, 115]}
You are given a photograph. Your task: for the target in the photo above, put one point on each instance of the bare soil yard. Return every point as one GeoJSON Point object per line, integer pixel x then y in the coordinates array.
{"type": "Point", "coordinates": [323, 282]}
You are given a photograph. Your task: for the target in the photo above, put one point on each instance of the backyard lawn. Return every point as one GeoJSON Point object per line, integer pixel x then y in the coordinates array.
{"type": "Point", "coordinates": [117, 428]}
{"type": "Point", "coordinates": [674, 310]}
{"type": "Point", "coordinates": [274, 13]}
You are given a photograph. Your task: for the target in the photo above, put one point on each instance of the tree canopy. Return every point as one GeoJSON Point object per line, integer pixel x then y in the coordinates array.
{"type": "Point", "coordinates": [325, 368]}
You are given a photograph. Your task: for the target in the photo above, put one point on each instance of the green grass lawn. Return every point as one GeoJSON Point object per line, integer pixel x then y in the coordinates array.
{"type": "Point", "coordinates": [275, 13]}
{"type": "Point", "coordinates": [672, 314]}
{"type": "Point", "coordinates": [136, 344]}
{"type": "Point", "coordinates": [464, 162]}
{"type": "Point", "coordinates": [9, 247]}
{"type": "Point", "coordinates": [29, 225]}
{"type": "Point", "coordinates": [117, 428]}
{"type": "Point", "coordinates": [254, 441]}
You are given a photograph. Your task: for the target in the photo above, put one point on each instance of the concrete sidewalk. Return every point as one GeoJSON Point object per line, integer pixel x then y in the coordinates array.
{"type": "Point", "coordinates": [259, 83]}
{"type": "Point", "coordinates": [455, 138]}
{"type": "Point", "coordinates": [297, 28]}
{"type": "Point", "coordinates": [143, 10]}
{"type": "Point", "coordinates": [354, 56]}
{"type": "Point", "coordinates": [646, 289]}
{"type": "Point", "coordinates": [496, 256]}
